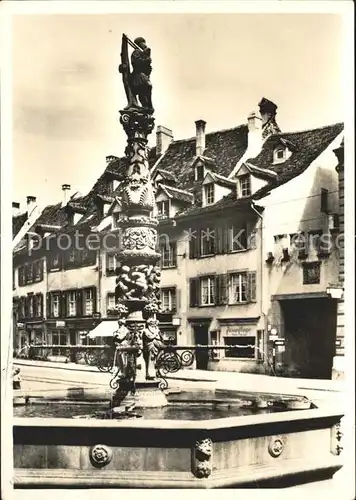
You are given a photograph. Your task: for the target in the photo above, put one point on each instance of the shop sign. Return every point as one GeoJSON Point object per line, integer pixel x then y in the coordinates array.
{"type": "Point", "coordinates": [60, 324]}
{"type": "Point", "coordinates": [281, 348]}
{"type": "Point", "coordinates": [280, 342]}
{"type": "Point", "coordinates": [273, 337]}
{"type": "Point", "coordinates": [20, 325]}
{"type": "Point", "coordinates": [238, 332]}
{"type": "Point", "coordinates": [175, 321]}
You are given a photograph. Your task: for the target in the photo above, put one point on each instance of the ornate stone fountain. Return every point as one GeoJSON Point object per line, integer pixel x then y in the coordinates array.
{"type": "Point", "coordinates": [137, 284]}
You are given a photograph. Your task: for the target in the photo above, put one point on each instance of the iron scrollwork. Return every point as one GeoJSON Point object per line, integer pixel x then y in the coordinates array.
{"type": "Point", "coordinates": [171, 361]}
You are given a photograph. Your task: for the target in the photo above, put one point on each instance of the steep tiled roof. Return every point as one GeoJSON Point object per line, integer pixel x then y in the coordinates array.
{"type": "Point", "coordinates": [224, 148]}
{"type": "Point", "coordinates": [178, 194]}
{"type": "Point", "coordinates": [165, 174]}
{"type": "Point", "coordinates": [309, 145]}
{"type": "Point", "coordinates": [17, 222]}
{"type": "Point", "coordinates": [228, 201]}
{"type": "Point", "coordinates": [221, 180]}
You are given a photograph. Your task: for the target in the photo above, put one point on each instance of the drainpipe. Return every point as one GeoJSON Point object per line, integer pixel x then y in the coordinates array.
{"type": "Point", "coordinates": [260, 216]}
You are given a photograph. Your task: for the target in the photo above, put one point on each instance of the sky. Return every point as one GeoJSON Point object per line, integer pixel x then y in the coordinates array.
{"type": "Point", "coordinates": [67, 91]}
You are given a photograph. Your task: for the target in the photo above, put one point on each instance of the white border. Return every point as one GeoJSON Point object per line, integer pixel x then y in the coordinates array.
{"type": "Point", "coordinates": [10, 8]}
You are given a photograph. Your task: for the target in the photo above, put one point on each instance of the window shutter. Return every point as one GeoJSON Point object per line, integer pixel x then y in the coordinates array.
{"type": "Point", "coordinates": [27, 299]}
{"type": "Point", "coordinates": [174, 299]}
{"type": "Point", "coordinates": [174, 253]}
{"type": "Point", "coordinates": [94, 299]}
{"type": "Point", "coordinates": [41, 269]}
{"type": "Point", "coordinates": [194, 292]}
{"type": "Point", "coordinates": [41, 305]}
{"type": "Point", "coordinates": [251, 286]}
{"type": "Point", "coordinates": [219, 239]}
{"type": "Point", "coordinates": [221, 289]}
{"type": "Point", "coordinates": [251, 236]}
{"type": "Point", "coordinates": [79, 296]}
{"type": "Point", "coordinates": [178, 299]}
{"type": "Point", "coordinates": [48, 305]}
{"type": "Point", "coordinates": [194, 244]}
{"type": "Point", "coordinates": [63, 309]}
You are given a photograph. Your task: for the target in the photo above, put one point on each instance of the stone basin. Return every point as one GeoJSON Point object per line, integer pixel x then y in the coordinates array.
{"type": "Point", "coordinates": [268, 445]}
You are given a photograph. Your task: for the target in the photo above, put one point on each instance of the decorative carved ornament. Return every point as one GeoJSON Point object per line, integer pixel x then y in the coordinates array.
{"type": "Point", "coordinates": [276, 446]}
{"type": "Point", "coordinates": [138, 238]}
{"type": "Point", "coordinates": [100, 455]}
{"type": "Point", "coordinates": [202, 458]}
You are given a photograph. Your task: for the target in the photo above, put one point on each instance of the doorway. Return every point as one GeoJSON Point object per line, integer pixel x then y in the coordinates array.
{"type": "Point", "coordinates": [201, 337]}
{"type": "Point", "coordinates": [310, 328]}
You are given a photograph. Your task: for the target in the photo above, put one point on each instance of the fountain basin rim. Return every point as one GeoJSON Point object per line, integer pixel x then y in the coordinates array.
{"type": "Point", "coordinates": [206, 425]}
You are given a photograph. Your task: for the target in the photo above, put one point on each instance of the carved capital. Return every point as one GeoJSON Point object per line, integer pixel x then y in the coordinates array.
{"type": "Point", "coordinates": [137, 122]}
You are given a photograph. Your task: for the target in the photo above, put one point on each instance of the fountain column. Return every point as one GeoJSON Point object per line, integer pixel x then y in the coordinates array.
{"type": "Point", "coordinates": [137, 284]}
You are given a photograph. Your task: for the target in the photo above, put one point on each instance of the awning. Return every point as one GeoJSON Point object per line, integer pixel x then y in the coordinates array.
{"type": "Point", "coordinates": [104, 329]}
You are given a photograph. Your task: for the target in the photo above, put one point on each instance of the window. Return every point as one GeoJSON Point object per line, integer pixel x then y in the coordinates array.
{"type": "Point", "coordinates": [238, 239]}
{"type": "Point", "coordinates": [209, 194]}
{"type": "Point", "coordinates": [21, 276]}
{"type": "Point", "coordinates": [207, 242]}
{"type": "Point", "coordinates": [300, 242]}
{"type": "Point", "coordinates": [311, 273]}
{"type": "Point", "coordinates": [89, 302]}
{"type": "Point", "coordinates": [199, 173]}
{"type": "Point", "coordinates": [30, 306]}
{"type": "Point", "coordinates": [72, 304]}
{"type": "Point", "coordinates": [163, 208]}
{"type": "Point", "coordinates": [55, 305]}
{"type": "Point", "coordinates": [241, 347]}
{"type": "Point", "coordinates": [207, 290]}
{"type": "Point", "coordinates": [59, 338]}
{"type": "Point", "coordinates": [38, 305]}
{"type": "Point", "coordinates": [110, 301]}
{"type": "Point", "coordinates": [238, 288]}
{"type": "Point", "coordinates": [111, 263]}
{"type": "Point", "coordinates": [245, 185]}
{"type": "Point", "coordinates": [168, 253]}
{"type": "Point", "coordinates": [38, 270]}
{"type": "Point", "coordinates": [29, 273]}
{"type": "Point", "coordinates": [168, 298]}
{"type": "Point", "coordinates": [54, 262]}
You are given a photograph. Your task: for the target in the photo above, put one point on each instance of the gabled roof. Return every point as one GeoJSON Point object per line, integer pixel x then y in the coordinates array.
{"type": "Point", "coordinates": [309, 145]}
{"type": "Point", "coordinates": [221, 180]}
{"type": "Point", "coordinates": [17, 222]}
{"type": "Point", "coordinates": [224, 148]}
{"type": "Point", "coordinates": [165, 174]}
{"type": "Point", "coordinates": [261, 173]}
{"type": "Point", "coordinates": [176, 194]}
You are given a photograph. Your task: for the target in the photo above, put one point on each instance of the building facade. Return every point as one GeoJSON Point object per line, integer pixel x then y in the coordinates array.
{"type": "Point", "coordinates": [247, 236]}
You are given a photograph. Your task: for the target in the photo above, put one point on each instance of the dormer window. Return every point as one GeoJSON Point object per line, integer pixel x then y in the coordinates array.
{"type": "Point", "coordinates": [245, 185]}
{"type": "Point", "coordinates": [199, 173]}
{"type": "Point", "coordinates": [279, 155]}
{"type": "Point", "coordinates": [163, 208]}
{"type": "Point", "coordinates": [209, 194]}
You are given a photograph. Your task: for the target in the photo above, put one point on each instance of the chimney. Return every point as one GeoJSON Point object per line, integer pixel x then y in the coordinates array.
{"type": "Point", "coordinates": [268, 111]}
{"type": "Point", "coordinates": [31, 203]}
{"type": "Point", "coordinates": [200, 137]}
{"type": "Point", "coordinates": [164, 136]}
{"type": "Point", "coordinates": [15, 208]}
{"type": "Point", "coordinates": [66, 191]}
{"type": "Point", "coordinates": [254, 139]}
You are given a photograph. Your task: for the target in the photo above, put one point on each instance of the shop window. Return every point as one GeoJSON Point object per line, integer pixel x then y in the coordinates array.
{"type": "Point", "coordinates": [168, 298]}
{"type": "Point", "coordinates": [168, 253]}
{"type": "Point", "coordinates": [60, 339]}
{"type": "Point", "coordinates": [89, 302]}
{"type": "Point", "coordinates": [240, 347]}
{"type": "Point", "coordinates": [311, 273]}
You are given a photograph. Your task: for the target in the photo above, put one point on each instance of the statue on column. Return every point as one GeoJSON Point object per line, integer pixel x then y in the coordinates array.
{"type": "Point", "coordinates": [137, 82]}
{"type": "Point", "coordinates": [152, 343]}
{"type": "Point", "coordinates": [122, 339]}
